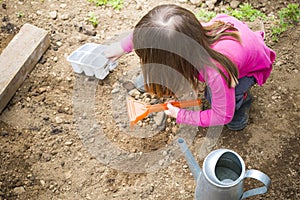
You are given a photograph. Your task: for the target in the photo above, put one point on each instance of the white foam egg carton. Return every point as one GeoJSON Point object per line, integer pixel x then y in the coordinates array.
{"type": "Point", "coordinates": [89, 59]}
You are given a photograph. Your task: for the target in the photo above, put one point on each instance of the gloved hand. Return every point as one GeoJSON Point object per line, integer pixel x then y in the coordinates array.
{"type": "Point", "coordinates": [114, 51]}
{"type": "Point", "coordinates": [172, 110]}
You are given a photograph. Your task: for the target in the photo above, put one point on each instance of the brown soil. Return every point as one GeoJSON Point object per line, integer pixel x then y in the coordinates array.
{"type": "Point", "coordinates": [46, 151]}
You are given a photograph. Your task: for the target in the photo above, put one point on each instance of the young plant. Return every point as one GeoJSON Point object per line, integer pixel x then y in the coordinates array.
{"type": "Point", "coordinates": [288, 17]}
{"type": "Point", "coordinates": [20, 14]}
{"type": "Point", "coordinates": [116, 4]}
{"type": "Point", "coordinates": [246, 12]}
{"type": "Point", "coordinates": [290, 14]}
{"type": "Point", "coordinates": [98, 2]}
{"type": "Point", "coordinates": [205, 16]}
{"type": "Point", "coordinates": [93, 19]}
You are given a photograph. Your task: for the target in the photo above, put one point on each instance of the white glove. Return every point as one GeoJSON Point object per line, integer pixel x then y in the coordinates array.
{"type": "Point", "coordinates": [172, 110]}
{"type": "Point", "coordinates": [114, 51]}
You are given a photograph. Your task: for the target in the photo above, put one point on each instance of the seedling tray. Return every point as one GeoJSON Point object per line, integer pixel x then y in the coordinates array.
{"type": "Point", "coordinates": [89, 59]}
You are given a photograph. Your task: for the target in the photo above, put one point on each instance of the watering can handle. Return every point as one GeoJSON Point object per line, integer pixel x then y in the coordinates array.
{"type": "Point", "coordinates": [260, 176]}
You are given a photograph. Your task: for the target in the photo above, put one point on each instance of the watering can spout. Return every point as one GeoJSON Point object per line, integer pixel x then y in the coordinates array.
{"type": "Point", "coordinates": [193, 165]}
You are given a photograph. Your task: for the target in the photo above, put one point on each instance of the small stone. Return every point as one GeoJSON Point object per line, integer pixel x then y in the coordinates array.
{"type": "Point", "coordinates": [174, 129]}
{"type": "Point", "coordinates": [88, 197]}
{"type": "Point", "coordinates": [210, 5]}
{"type": "Point", "coordinates": [63, 5]}
{"type": "Point", "coordinates": [138, 6]}
{"type": "Point", "coordinates": [47, 157]}
{"type": "Point", "coordinates": [39, 12]}
{"type": "Point", "coordinates": [68, 78]}
{"type": "Point", "coordinates": [58, 120]}
{"type": "Point", "coordinates": [115, 90]}
{"type": "Point", "coordinates": [161, 162]}
{"type": "Point", "coordinates": [147, 100]}
{"type": "Point", "coordinates": [42, 90]}
{"type": "Point", "coordinates": [42, 182]}
{"type": "Point", "coordinates": [195, 2]}
{"type": "Point", "coordinates": [19, 190]}
{"type": "Point", "coordinates": [140, 123]}
{"type": "Point", "coordinates": [64, 17]}
{"type": "Point", "coordinates": [59, 43]}
{"type": "Point", "coordinates": [68, 143]}
{"type": "Point", "coordinates": [68, 174]}
{"type": "Point", "coordinates": [53, 14]}
{"type": "Point", "coordinates": [234, 4]}
{"type": "Point", "coordinates": [134, 93]}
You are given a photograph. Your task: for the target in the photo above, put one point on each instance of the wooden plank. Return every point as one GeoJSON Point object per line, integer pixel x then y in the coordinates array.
{"type": "Point", "coordinates": [19, 58]}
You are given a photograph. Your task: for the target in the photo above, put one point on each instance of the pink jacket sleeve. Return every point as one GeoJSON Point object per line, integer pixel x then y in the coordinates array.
{"type": "Point", "coordinates": [222, 105]}
{"type": "Point", "coordinates": [251, 56]}
{"type": "Point", "coordinates": [126, 43]}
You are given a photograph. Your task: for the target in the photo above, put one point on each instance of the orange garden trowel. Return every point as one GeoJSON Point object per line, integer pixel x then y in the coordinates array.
{"type": "Point", "coordinates": [138, 110]}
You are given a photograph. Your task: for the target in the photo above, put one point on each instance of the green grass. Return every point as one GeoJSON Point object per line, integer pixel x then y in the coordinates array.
{"type": "Point", "coordinates": [288, 17]}
{"type": "Point", "coordinates": [205, 16]}
{"type": "Point", "coordinates": [246, 12]}
{"type": "Point", "coordinates": [285, 18]}
{"type": "Point", "coordinates": [116, 4]}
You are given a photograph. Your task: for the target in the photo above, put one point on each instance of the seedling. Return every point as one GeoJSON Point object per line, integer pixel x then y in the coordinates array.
{"type": "Point", "coordinates": [98, 2]}
{"type": "Point", "coordinates": [93, 19]}
{"type": "Point", "coordinates": [205, 16]}
{"type": "Point", "coordinates": [288, 17]}
{"type": "Point", "coordinates": [246, 12]}
{"type": "Point", "coordinates": [116, 4]}
{"type": "Point", "coordinates": [20, 14]}
{"type": "Point", "coordinates": [290, 14]}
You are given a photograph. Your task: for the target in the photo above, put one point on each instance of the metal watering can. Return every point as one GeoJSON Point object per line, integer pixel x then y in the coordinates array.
{"type": "Point", "coordinates": [222, 176]}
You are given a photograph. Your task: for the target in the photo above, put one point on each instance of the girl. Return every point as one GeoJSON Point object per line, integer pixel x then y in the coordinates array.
{"type": "Point", "coordinates": [224, 53]}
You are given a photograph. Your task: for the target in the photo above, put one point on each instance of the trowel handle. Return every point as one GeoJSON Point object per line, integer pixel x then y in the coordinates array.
{"type": "Point", "coordinates": [260, 176]}
{"type": "Point", "coordinates": [179, 104]}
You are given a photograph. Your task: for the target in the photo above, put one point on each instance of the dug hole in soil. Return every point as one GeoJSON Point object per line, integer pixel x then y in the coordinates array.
{"type": "Point", "coordinates": [43, 149]}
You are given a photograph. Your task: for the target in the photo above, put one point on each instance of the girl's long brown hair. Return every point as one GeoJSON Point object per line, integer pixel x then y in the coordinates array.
{"type": "Point", "coordinates": [172, 36]}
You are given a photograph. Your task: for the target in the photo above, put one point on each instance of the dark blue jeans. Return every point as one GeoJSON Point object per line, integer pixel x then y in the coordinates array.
{"type": "Point", "coordinates": [243, 100]}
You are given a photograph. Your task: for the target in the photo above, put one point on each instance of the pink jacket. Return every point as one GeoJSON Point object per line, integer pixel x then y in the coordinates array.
{"type": "Point", "coordinates": [252, 57]}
